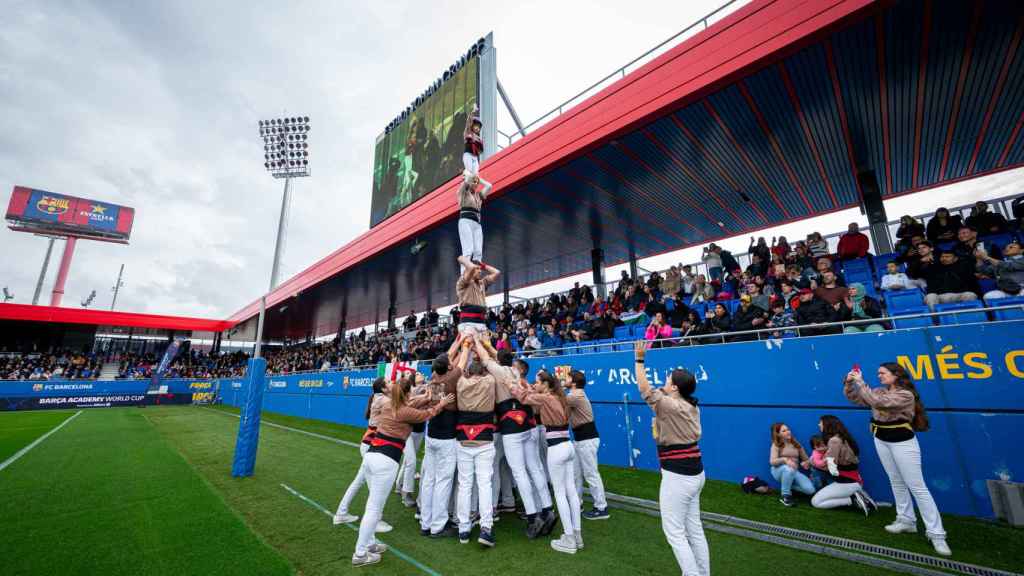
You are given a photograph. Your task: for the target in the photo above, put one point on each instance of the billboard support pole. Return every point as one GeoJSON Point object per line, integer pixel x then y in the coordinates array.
{"type": "Point", "coordinates": [508, 106]}
{"type": "Point", "coordinates": [42, 273]}
{"type": "Point", "coordinates": [62, 272]}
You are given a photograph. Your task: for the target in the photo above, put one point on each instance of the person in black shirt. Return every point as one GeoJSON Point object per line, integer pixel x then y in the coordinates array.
{"type": "Point", "coordinates": [814, 310]}
{"type": "Point", "coordinates": [949, 280]}
{"type": "Point", "coordinates": [967, 245]}
{"type": "Point", "coordinates": [986, 222]}
{"type": "Point", "coordinates": [943, 227]}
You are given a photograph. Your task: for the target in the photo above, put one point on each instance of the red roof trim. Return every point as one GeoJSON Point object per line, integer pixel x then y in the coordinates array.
{"type": "Point", "coordinates": [56, 315]}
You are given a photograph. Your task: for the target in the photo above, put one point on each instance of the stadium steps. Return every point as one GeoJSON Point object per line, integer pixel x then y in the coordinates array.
{"type": "Point", "coordinates": [110, 370]}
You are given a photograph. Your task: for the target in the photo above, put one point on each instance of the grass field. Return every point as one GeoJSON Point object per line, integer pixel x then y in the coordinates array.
{"type": "Point", "coordinates": [149, 491]}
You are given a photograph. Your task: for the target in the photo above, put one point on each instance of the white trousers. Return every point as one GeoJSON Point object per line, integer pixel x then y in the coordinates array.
{"type": "Point", "coordinates": [471, 163]}
{"type": "Point", "coordinates": [476, 467]}
{"type": "Point", "coordinates": [407, 471]}
{"type": "Point", "coordinates": [835, 495]}
{"type": "Point", "coordinates": [902, 462]}
{"type": "Point", "coordinates": [515, 446]}
{"type": "Point", "coordinates": [501, 483]}
{"type": "Point", "coordinates": [436, 474]}
{"type": "Point", "coordinates": [353, 486]}
{"type": "Point", "coordinates": [471, 236]}
{"type": "Point", "coordinates": [679, 501]}
{"type": "Point", "coordinates": [560, 464]}
{"type": "Point", "coordinates": [535, 467]}
{"type": "Point", "coordinates": [380, 475]}
{"type": "Point", "coordinates": [586, 467]}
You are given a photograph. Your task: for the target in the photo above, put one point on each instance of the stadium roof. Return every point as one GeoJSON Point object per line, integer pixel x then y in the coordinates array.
{"type": "Point", "coordinates": [57, 315]}
{"type": "Point", "coordinates": [764, 118]}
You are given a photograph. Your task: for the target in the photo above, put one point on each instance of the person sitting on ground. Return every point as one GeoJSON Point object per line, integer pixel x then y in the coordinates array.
{"type": "Point", "coordinates": [967, 245]}
{"type": "Point", "coordinates": [894, 279]}
{"type": "Point", "coordinates": [1008, 272]}
{"type": "Point", "coordinates": [858, 306]}
{"type": "Point", "coordinates": [785, 458]}
{"type": "Point", "coordinates": [747, 318]}
{"type": "Point", "coordinates": [853, 244]}
{"type": "Point", "coordinates": [842, 458]}
{"type": "Point", "coordinates": [782, 317]}
{"type": "Point", "coordinates": [985, 221]}
{"type": "Point", "coordinates": [820, 475]}
{"type": "Point", "coordinates": [813, 310]}
{"type": "Point", "coordinates": [949, 280]}
{"type": "Point", "coordinates": [943, 227]}
{"type": "Point", "coordinates": [658, 329]}
{"type": "Point", "coordinates": [816, 245]}
{"type": "Point", "coordinates": [909, 230]}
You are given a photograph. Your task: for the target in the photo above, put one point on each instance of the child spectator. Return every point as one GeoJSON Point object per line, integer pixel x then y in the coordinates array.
{"type": "Point", "coordinates": [782, 317]}
{"type": "Point", "coordinates": [820, 475]}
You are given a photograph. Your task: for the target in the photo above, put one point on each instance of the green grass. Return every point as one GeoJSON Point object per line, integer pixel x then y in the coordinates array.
{"type": "Point", "coordinates": [19, 429]}
{"type": "Point", "coordinates": [108, 495]}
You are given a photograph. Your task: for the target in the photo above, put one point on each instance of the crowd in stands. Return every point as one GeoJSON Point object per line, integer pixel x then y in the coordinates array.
{"type": "Point", "coordinates": [187, 364]}
{"type": "Point", "coordinates": [59, 364]}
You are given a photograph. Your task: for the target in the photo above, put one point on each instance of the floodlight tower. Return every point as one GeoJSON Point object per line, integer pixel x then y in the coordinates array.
{"type": "Point", "coordinates": [285, 155]}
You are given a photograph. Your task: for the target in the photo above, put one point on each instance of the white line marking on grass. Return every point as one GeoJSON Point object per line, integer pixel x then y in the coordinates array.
{"type": "Point", "coordinates": [391, 547]}
{"type": "Point", "coordinates": [25, 450]}
{"type": "Point", "coordinates": [290, 429]}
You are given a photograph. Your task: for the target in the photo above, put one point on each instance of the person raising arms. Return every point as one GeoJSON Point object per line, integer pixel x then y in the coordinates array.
{"type": "Point", "coordinates": [897, 413]}
{"type": "Point", "coordinates": [394, 424]}
{"type": "Point", "coordinates": [548, 397]}
{"type": "Point", "coordinates": [373, 407]}
{"type": "Point", "coordinates": [677, 419]}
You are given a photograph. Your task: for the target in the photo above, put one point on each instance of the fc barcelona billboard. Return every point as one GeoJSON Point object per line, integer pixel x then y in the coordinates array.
{"type": "Point", "coordinates": [43, 212]}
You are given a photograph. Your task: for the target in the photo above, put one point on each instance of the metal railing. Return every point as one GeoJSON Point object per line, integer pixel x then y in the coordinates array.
{"type": "Point", "coordinates": [618, 73]}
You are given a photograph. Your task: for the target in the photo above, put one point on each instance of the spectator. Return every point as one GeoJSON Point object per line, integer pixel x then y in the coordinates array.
{"type": "Point", "coordinates": [967, 245]}
{"type": "Point", "coordinates": [433, 317]}
{"type": "Point", "coordinates": [702, 291]}
{"type": "Point", "coordinates": [943, 227]}
{"type": "Point", "coordinates": [787, 293]}
{"type": "Point", "coordinates": [830, 290]}
{"type": "Point", "coordinates": [781, 247]}
{"type": "Point", "coordinates": [654, 305]}
{"type": "Point", "coordinates": [671, 285]}
{"type": "Point", "coordinates": [814, 311]}
{"type": "Point", "coordinates": [825, 265]}
{"type": "Point", "coordinates": [949, 280]}
{"type": "Point", "coordinates": [551, 339]}
{"type": "Point", "coordinates": [819, 467]}
{"type": "Point", "coordinates": [658, 329]}
{"type": "Point", "coordinates": [410, 321]}
{"type": "Point", "coordinates": [624, 281]}
{"type": "Point", "coordinates": [748, 318]}
{"type": "Point", "coordinates": [503, 343]}
{"type": "Point", "coordinates": [854, 244]}
{"type": "Point", "coordinates": [757, 298]}
{"type": "Point", "coordinates": [729, 263]}
{"type": "Point", "coordinates": [894, 279]}
{"type": "Point", "coordinates": [802, 259]}
{"type": "Point", "coordinates": [817, 245]}
{"type": "Point", "coordinates": [713, 260]}
{"type": "Point", "coordinates": [908, 233]}
{"type": "Point", "coordinates": [687, 280]}
{"type": "Point", "coordinates": [986, 222]}
{"type": "Point", "coordinates": [782, 317]}
{"type": "Point", "coordinates": [758, 267]}
{"type": "Point", "coordinates": [859, 306]}
{"type": "Point", "coordinates": [1008, 273]}
{"type": "Point", "coordinates": [786, 458]}
{"type": "Point", "coordinates": [717, 320]}
{"type": "Point", "coordinates": [761, 249]}
{"type": "Point", "coordinates": [532, 343]}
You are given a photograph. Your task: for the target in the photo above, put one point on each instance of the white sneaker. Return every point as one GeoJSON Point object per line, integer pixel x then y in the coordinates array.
{"type": "Point", "coordinates": [579, 540]}
{"type": "Point", "coordinates": [383, 527]}
{"type": "Point", "coordinates": [566, 544]}
{"type": "Point", "coordinates": [365, 559]}
{"type": "Point", "coordinates": [345, 518]}
{"type": "Point", "coordinates": [941, 548]}
{"type": "Point", "coordinates": [377, 548]}
{"type": "Point", "coordinates": [898, 527]}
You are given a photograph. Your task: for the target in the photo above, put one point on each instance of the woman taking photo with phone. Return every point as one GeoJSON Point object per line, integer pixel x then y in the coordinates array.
{"type": "Point", "coordinates": [897, 413]}
{"type": "Point", "coordinates": [677, 425]}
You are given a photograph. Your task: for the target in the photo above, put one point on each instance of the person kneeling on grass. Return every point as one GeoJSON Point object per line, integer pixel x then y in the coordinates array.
{"type": "Point", "coordinates": [786, 457]}
{"type": "Point", "coordinates": [394, 424]}
{"type": "Point", "coordinates": [677, 421]}
{"type": "Point", "coordinates": [842, 459]}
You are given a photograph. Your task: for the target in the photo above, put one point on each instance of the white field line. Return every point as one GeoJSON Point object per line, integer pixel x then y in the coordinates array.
{"type": "Point", "coordinates": [37, 441]}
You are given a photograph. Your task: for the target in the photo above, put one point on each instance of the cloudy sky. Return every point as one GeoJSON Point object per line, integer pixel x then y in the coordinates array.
{"type": "Point", "coordinates": [155, 105]}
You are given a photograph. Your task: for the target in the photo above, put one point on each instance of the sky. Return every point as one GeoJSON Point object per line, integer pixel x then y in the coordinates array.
{"type": "Point", "coordinates": [155, 105]}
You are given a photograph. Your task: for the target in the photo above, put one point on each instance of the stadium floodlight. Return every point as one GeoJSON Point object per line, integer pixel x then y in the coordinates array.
{"type": "Point", "coordinates": [7, 294]}
{"type": "Point", "coordinates": [88, 301]}
{"type": "Point", "coordinates": [285, 155]}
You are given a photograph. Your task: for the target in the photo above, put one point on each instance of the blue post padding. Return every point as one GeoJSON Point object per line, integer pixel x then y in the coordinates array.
{"type": "Point", "coordinates": [249, 422]}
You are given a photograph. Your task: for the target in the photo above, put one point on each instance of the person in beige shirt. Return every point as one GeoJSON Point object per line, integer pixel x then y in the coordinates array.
{"type": "Point", "coordinates": [373, 407]}
{"type": "Point", "coordinates": [471, 292]}
{"type": "Point", "coordinates": [678, 426]}
{"type": "Point", "coordinates": [475, 452]}
{"type": "Point", "coordinates": [471, 232]}
{"type": "Point", "coordinates": [586, 442]}
{"type": "Point", "coordinates": [786, 457]}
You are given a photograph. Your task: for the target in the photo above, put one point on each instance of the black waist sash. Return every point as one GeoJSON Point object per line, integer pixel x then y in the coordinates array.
{"type": "Point", "coordinates": [681, 458]}
{"type": "Point", "coordinates": [555, 435]}
{"type": "Point", "coordinates": [896, 431]}
{"type": "Point", "coordinates": [585, 431]}
{"type": "Point", "coordinates": [512, 417]}
{"type": "Point", "coordinates": [442, 426]}
{"type": "Point", "coordinates": [472, 314]}
{"type": "Point", "coordinates": [470, 214]}
{"type": "Point", "coordinates": [475, 426]}
{"type": "Point", "coordinates": [388, 445]}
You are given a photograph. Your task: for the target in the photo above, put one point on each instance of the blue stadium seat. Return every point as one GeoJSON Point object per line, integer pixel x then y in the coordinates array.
{"type": "Point", "coordinates": [670, 304]}
{"type": "Point", "coordinates": [902, 300]}
{"type": "Point", "coordinates": [882, 260]}
{"type": "Point", "coordinates": [732, 305]}
{"type": "Point", "coordinates": [1009, 314]}
{"type": "Point", "coordinates": [973, 312]}
{"type": "Point", "coordinates": [862, 276]}
{"type": "Point", "coordinates": [987, 285]}
{"type": "Point", "coordinates": [1000, 240]}
{"type": "Point", "coordinates": [856, 265]}
{"type": "Point", "coordinates": [948, 245]}
{"type": "Point", "coordinates": [700, 308]}
{"type": "Point", "coordinates": [624, 332]}
{"type": "Point", "coordinates": [922, 322]}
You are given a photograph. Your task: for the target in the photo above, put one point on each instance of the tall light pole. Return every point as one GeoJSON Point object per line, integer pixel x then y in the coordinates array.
{"type": "Point", "coordinates": [117, 287]}
{"type": "Point", "coordinates": [285, 156]}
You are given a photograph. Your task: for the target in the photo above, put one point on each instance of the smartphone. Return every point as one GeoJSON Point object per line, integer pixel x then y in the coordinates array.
{"type": "Point", "coordinates": [856, 368]}
{"type": "Point", "coordinates": [981, 247]}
